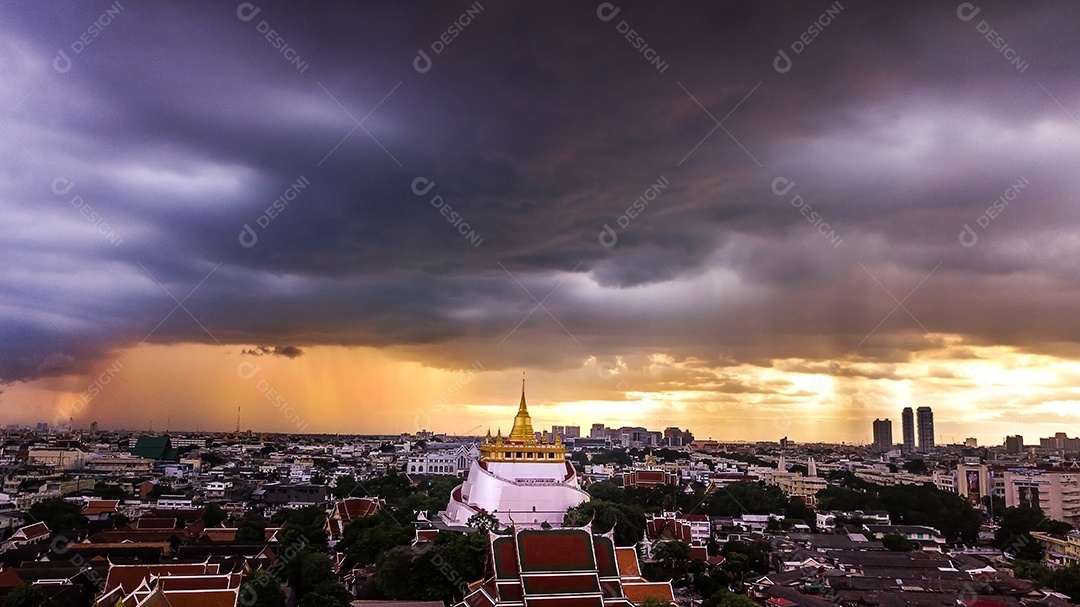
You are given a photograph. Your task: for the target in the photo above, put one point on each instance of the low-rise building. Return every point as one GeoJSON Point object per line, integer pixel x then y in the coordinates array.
{"type": "Point", "coordinates": [1058, 550]}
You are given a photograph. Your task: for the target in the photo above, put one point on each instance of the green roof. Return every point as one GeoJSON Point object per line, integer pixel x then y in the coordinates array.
{"type": "Point", "coordinates": [154, 447]}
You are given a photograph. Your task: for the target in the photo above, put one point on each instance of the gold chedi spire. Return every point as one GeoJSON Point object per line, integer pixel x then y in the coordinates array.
{"type": "Point", "coordinates": [522, 432]}
{"type": "Point", "coordinates": [521, 444]}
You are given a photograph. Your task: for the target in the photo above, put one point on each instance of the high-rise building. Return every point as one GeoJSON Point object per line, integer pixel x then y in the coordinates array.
{"type": "Point", "coordinates": [1060, 441]}
{"type": "Point", "coordinates": [907, 418]}
{"type": "Point", "coordinates": [883, 434]}
{"type": "Point", "coordinates": [598, 431]}
{"type": "Point", "coordinates": [559, 431]}
{"type": "Point", "coordinates": [573, 432]}
{"type": "Point", "coordinates": [1014, 444]}
{"type": "Point", "coordinates": [926, 429]}
{"type": "Point", "coordinates": [971, 442]}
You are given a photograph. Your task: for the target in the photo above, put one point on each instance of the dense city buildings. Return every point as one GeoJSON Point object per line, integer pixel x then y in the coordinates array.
{"type": "Point", "coordinates": [523, 483]}
{"type": "Point", "coordinates": [1060, 442]}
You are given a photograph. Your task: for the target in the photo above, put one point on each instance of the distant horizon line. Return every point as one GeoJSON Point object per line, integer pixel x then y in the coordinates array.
{"type": "Point", "coordinates": [170, 432]}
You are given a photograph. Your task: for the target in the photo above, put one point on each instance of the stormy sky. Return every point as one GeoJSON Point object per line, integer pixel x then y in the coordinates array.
{"type": "Point", "coordinates": [749, 219]}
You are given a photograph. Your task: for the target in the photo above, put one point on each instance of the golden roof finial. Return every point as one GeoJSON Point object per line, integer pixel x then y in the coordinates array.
{"type": "Point", "coordinates": [522, 431]}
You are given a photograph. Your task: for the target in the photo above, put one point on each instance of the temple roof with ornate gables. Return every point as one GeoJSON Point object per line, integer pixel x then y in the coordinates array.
{"type": "Point", "coordinates": [570, 567]}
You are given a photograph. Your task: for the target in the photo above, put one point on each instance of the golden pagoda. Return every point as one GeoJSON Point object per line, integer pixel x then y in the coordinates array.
{"type": "Point", "coordinates": [521, 445]}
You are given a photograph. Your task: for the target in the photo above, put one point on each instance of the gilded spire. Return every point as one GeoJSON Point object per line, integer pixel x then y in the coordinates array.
{"type": "Point", "coordinates": [522, 432]}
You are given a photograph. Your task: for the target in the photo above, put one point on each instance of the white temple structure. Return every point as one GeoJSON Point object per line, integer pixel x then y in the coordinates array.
{"type": "Point", "coordinates": [518, 479]}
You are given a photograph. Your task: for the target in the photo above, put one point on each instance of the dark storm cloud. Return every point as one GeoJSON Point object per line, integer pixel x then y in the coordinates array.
{"type": "Point", "coordinates": [286, 351]}
{"type": "Point", "coordinates": [189, 179]}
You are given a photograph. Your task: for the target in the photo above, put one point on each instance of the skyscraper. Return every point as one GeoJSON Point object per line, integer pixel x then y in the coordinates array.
{"type": "Point", "coordinates": [1014, 444]}
{"type": "Point", "coordinates": [883, 434]}
{"type": "Point", "coordinates": [908, 421]}
{"type": "Point", "coordinates": [926, 429]}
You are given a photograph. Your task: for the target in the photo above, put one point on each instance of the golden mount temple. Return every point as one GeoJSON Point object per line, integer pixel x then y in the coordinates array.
{"type": "Point", "coordinates": [517, 479]}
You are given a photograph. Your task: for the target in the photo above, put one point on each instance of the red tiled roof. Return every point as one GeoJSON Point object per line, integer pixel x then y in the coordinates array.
{"type": "Point", "coordinates": [510, 592]}
{"type": "Point", "coordinates": [638, 592]}
{"type": "Point", "coordinates": [203, 598]}
{"type": "Point", "coordinates": [10, 579]}
{"type": "Point", "coordinates": [478, 599]}
{"type": "Point", "coordinates": [353, 508]}
{"type": "Point", "coordinates": [659, 528]}
{"type": "Point", "coordinates": [556, 550]}
{"type": "Point", "coordinates": [560, 584]}
{"type": "Point", "coordinates": [426, 535]}
{"type": "Point", "coordinates": [31, 532]}
{"type": "Point", "coordinates": [220, 534]}
{"type": "Point", "coordinates": [200, 582]}
{"type": "Point", "coordinates": [627, 559]}
{"type": "Point", "coordinates": [147, 522]}
{"type": "Point", "coordinates": [129, 577]}
{"type": "Point", "coordinates": [565, 601]}
{"type": "Point", "coordinates": [504, 554]}
{"type": "Point", "coordinates": [98, 507]}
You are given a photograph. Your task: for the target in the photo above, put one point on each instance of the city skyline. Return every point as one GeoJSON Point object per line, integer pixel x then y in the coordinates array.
{"type": "Point", "coordinates": [753, 221]}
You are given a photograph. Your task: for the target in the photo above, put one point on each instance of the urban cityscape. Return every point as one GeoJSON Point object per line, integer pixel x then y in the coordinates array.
{"type": "Point", "coordinates": [587, 304]}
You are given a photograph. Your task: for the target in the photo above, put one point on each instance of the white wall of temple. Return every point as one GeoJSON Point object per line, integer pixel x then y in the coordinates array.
{"type": "Point", "coordinates": [526, 504]}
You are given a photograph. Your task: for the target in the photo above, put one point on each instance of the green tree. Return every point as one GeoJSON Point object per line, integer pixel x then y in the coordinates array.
{"type": "Point", "coordinates": [738, 600]}
{"type": "Point", "coordinates": [252, 528]}
{"type": "Point", "coordinates": [327, 594]}
{"type": "Point", "coordinates": [109, 492]}
{"type": "Point", "coordinates": [1014, 533]}
{"type": "Point", "coordinates": [214, 514]}
{"type": "Point", "coordinates": [363, 540]}
{"type": "Point", "coordinates": [307, 570]}
{"type": "Point", "coordinates": [260, 589]}
{"type": "Point", "coordinates": [483, 522]}
{"type": "Point", "coordinates": [897, 542]}
{"type": "Point", "coordinates": [916, 466]}
{"type": "Point", "coordinates": [736, 563]}
{"type": "Point", "coordinates": [58, 514]}
{"type": "Point", "coordinates": [308, 522]}
{"type": "Point", "coordinates": [745, 497]}
{"type": "Point", "coordinates": [798, 510]}
{"type": "Point", "coordinates": [27, 595]}
{"type": "Point", "coordinates": [629, 521]}
{"type": "Point", "coordinates": [673, 555]}
{"type": "Point", "coordinates": [345, 486]}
